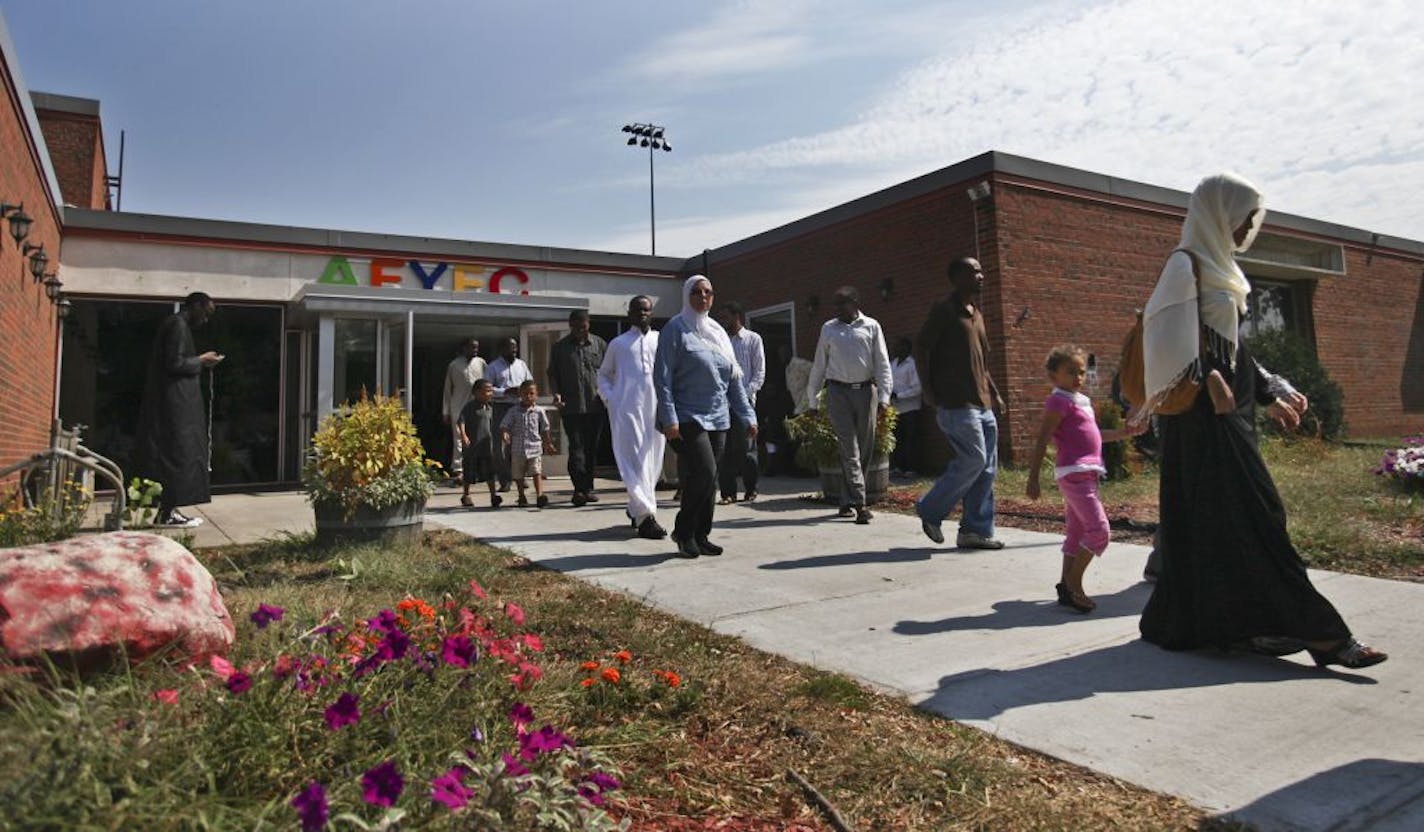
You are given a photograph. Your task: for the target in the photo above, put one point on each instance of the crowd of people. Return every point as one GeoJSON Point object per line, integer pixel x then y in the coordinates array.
{"type": "Point", "coordinates": [1226, 573]}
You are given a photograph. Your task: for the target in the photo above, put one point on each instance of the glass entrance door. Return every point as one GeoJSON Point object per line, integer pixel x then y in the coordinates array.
{"type": "Point", "coordinates": [536, 341]}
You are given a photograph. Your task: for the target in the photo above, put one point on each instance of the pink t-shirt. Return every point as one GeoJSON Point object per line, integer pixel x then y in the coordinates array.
{"type": "Point", "coordinates": [1079, 443]}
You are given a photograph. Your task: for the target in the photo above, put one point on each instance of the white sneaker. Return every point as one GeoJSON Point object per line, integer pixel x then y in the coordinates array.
{"type": "Point", "coordinates": [178, 521]}
{"type": "Point", "coordinates": [972, 540]}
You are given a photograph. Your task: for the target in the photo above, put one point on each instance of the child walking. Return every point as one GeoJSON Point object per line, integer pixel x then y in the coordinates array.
{"type": "Point", "coordinates": [526, 430]}
{"type": "Point", "coordinates": [476, 427]}
{"type": "Point", "coordinates": [1068, 419]}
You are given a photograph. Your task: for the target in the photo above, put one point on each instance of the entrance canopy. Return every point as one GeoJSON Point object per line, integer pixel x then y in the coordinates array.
{"type": "Point", "coordinates": [317, 299]}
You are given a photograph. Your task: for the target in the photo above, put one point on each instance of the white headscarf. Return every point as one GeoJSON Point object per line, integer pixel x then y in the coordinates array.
{"type": "Point", "coordinates": [702, 325]}
{"type": "Point", "coordinates": [1172, 323]}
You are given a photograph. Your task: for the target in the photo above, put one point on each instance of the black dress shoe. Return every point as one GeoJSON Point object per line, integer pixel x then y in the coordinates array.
{"type": "Point", "coordinates": [590, 496]}
{"type": "Point", "coordinates": [862, 515]}
{"type": "Point", "coordinates": [650, 529]}
{"type": "Point", "coordinates": [686, 548]}
{"type": "Point", "coordinates": [708, 547]}
{"type": "Point", "coordinates": [579, 499]}
{"type": "Point", "coordinates": [846, 511]}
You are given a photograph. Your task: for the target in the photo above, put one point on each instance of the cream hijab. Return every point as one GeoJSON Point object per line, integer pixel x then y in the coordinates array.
{"type": "Point", "coordinates": [1174, 320]}
{"type": "Point", "coordinates": [702, 325]}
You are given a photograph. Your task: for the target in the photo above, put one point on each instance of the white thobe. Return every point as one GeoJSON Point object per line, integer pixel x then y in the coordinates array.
{"type": "Point", "coordinates": [625, 383]}
{"type": "Point", "coordinates": [460, 378]}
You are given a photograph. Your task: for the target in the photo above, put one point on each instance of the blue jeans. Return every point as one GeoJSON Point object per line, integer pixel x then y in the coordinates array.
{"type": "Point", "coordinates": [974, 435]}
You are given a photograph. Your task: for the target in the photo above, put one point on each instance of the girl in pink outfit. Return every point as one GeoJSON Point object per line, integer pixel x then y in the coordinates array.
{"type": "Point", "coordinates": [1068, 419]}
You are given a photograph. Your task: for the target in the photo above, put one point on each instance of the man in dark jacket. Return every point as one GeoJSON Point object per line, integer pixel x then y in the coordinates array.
{"type": "Point", "coordinates": [573, 379]}
{"type": "Point", "coordinates": [172, 427]}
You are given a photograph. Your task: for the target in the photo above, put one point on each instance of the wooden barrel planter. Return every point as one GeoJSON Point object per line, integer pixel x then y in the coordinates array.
{"type": "Point", "coordinates": [397, 524]}
{"type": "Point", "coordinates": [877, 480]}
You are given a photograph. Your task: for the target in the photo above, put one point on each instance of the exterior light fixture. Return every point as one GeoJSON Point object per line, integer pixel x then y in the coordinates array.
{"type": "Point", "coordinates": [52, 286]}
{"type": "Point", "coordinates": [651, 137]}
{"type": "Point", "coordinates": [979, 191]}
{"type": "Point", "coordinates": [20, 222]}
{"type": "Point", "coordinates": [813, 302]}
{"type": "Point", "coordinates": [63, 307]}
{"type": "Point", "coordinates": [887, 288]}
{"type": "Point", "coordinates": [38, 260]}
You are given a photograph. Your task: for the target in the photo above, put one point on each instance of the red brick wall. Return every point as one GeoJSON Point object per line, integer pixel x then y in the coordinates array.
{"type": "Point", "coordinates": [1063, 265]}
{"type": "Point", "coordinates": [27, 320]}
{"type": "Point", "coordinates": [76, 151]}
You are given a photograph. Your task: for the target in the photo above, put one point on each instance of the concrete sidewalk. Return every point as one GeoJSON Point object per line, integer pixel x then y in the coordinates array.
{"type": "Point", "coordinates": [977, 637]}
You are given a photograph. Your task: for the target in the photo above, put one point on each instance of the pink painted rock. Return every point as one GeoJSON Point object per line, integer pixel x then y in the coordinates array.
{"type": "Point", "coordinates": [93, 595]}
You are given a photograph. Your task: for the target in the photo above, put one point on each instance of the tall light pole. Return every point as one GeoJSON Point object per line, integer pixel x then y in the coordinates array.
{"type": "Point", "coordinates": [651, 137]}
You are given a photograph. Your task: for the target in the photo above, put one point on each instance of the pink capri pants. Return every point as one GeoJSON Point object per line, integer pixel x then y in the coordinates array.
{"type": "Point", "coordinates": [1087, 523]}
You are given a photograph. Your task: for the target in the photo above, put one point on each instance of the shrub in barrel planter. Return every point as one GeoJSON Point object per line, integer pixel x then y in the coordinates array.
{"type": "Point", "coordinates": [367, 476]}
{"type": "Point", "coordinates": [820, 451]}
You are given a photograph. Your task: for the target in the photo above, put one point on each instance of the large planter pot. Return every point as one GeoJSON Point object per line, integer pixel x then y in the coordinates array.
{"type": "Point", "coordinates": [877, 480]}
{"type": "Point", "coordinates": [400, 523]}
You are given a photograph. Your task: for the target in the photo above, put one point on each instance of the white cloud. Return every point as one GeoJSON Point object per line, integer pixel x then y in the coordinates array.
{"type": "Point", "coordinates": [747, 38]}
{"type": "Point", "coordinates": [1311, 99]}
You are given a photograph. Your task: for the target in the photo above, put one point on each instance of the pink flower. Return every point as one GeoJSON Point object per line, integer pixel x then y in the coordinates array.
{"type": "Point", "coordinates": [450, 789]}
{"type": "Point", "coordinates": [221, 666]}
{"type": "Point", "coordinates": [513, 767]}
{"type": "Point", "coordinates": [311, 807]}
{"type": "Point", "coordinates": [477, 590]}
{"type": "Point", "coordinates": [459, 651]}
{"type": "Point", "coordinates": [239, 682]}
{"type": "Point", "coordinates": [515, 613]}
{"type": "Point", "coordinates": [343, 712]}
{"type": "Point", "coordinates": [521, 714]}
{"type": "Point", "coordinates": [167, 696]}
{"type": "Point", "coordinates": [534, 642]}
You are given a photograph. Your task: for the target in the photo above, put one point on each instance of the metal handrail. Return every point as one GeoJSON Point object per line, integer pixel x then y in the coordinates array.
{"type": "Point", "coordinates": [102, 466]}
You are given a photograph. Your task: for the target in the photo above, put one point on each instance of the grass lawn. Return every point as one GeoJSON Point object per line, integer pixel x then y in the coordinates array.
{"type": "Point", "coordinates": [1342, 516]}
{"type": "Point", "coordinates": [709, 752]}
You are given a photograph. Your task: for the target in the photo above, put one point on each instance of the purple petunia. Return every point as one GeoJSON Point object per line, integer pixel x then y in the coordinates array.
{"type": "Point", "coordinates": [544, 740]}
{"type": "Point", "coordinates": [595, 785]}
{"type": "Point", "coordinates": [394, 646]}
{"type": "Point", "coordinates": [382, 784]}
{"type": "Point", "coordinates": [450, 789]}
{"type": "Point", "coordinates": [459, 651]}
{"type": "Point", "coordinates": [384, 622]}
{"type": "Point", "coordinates": [476, 734]}
{"type": "Point", "coordinates": [521, 714]}
{"type": "Point", "coordinates": [266, 614]}
{"type": "Point", "coordinates": [513, 767]}
{"type": "Point", "coordinates": [343, 712]}
{"type": "Point", "coordinates": [239, 682]}
{"type": "Point", "coordinates": [311, 807]}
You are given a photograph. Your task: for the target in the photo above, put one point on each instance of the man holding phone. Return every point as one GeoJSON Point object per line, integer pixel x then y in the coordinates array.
{"type": "Point", "coordinates": [172, 446]}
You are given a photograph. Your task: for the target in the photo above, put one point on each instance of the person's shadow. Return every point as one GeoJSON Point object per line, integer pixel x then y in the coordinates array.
{"type": "Point", "coordinates": [1364, 794]}
{"type": "Point", "coordinates": [985, 693]}
{"type": "Point", "coordinates": [1018, 613]}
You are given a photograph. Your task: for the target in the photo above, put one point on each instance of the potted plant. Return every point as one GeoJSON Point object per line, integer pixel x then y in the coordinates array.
{"type": "Point", "coordinates": [820, 451]}
{"type": "Point", "coordinates": [367, 476]}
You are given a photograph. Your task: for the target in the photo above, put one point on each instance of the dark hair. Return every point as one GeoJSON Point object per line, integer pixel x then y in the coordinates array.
{"type": "Point", "coordinates": [578, 315]}
{"type": "Point", "coordinates": [637, 298]}
{"type": "Point", "coordinates": [959, 264]}
{"type": "Point", "coordinates": [197, 299]}
{"type": "Point", "coordinates": [1061, 353]}
{"type": "Point", "coordinates": [850, 293]}
{"type": "Point", "coordinates": [481, 382]}
{"type": "Point", "coordinates": [528, 383]}
{"type": "Point", "coordinates": [731, 307]}
{"type": "Point", "coordinates": [905, 341]}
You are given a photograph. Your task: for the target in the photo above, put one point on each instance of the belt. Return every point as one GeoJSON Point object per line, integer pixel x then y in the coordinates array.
{"type": "Point", "coordinates": [852, 385]}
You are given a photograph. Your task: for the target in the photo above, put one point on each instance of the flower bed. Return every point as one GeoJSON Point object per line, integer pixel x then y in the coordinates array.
{"type": "Point", "coordinates": [1405, 466]}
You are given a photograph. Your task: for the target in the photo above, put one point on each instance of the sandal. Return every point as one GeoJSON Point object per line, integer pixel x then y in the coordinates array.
{"type": "Point", "coordinates": [1348, 653]}
{"type": "Point", "coordinates": [1081, 603]}
{"type": "Point", "coordinates": [523, 501]}
{"type": "Point", "coordinates": [466, 502]}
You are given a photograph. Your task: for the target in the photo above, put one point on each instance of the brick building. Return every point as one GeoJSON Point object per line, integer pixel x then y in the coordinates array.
{"type": "Point", "coordinates": [1068, 255]}
{"type": "Point", "coordinates": [28, 323]}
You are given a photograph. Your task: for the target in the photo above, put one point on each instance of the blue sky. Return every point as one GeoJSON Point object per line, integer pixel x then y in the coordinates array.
{"type": "Point", "coordinates": [500, 121]}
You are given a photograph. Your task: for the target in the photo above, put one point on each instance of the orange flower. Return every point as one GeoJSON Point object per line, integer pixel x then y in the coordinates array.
{"type": "Point", "coordinates": [623, 656]}
{"type": "Point", "coordinates": [589, 666]}
{"type": "Point", "coordinates": [611, 675]}
{"type": "Point", "coordinates": [672, 679]}
{"type": "Point", "coordinates": [589, 682]}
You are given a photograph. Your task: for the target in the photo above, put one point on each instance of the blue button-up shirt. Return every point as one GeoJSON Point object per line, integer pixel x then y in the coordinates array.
{"type": "Point", "coordinates": [694, 382]}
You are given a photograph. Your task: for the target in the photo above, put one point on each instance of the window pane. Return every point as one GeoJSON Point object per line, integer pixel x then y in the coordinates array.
{"type": "Point", "coordinates": [355, 365]}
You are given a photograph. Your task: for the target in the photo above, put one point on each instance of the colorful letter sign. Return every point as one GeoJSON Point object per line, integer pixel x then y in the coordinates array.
{"type": "Point", "coordinates": [388, 271]}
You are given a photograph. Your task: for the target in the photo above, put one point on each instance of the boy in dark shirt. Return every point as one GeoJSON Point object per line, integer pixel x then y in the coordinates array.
{"type": "Point", "coordinates": [476, 426]}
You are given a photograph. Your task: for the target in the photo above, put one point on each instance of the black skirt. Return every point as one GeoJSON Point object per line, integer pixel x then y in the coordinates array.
{"type": "Point", "coordinates": [1230, 572]}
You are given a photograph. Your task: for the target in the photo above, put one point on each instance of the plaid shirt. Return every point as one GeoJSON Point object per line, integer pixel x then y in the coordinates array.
{"type": "Point", "coordinates": [526, 426]}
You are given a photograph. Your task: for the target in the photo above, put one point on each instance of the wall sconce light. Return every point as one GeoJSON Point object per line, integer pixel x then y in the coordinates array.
{"type": "Point", "coordinates": [887, 288]}
{"type": "Point", "coordinates": [1023, 317]}
{"type": "Point", "coordinates": [63, 308]}
{"type": "Point", "coordinates": [52, 285]}
{"type": "Point", "coordinates": [20, 222]}
{"type": "Point", "coordinates": [39, 261]}
{"type": "Point", "coordinates": [813, 302]}
{"type": "Point", "coordinates": [979, 191]}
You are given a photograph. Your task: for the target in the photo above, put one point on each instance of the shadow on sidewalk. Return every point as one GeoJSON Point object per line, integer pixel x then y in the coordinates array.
{"type": "Point", "coordinates": [897, 555]}
{"type": "Point", "coordinates": [612, 560]}
{"type": "Point", "coordinates": [1365, 794]}
{"type": "Point", "coordinates": [1018, 613]}
{"type": "Point", "coordinates": [1134, 666]}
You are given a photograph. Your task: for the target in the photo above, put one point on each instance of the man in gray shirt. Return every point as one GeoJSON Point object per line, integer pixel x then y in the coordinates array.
{"type": "Point", "coordinates": [573, 380]}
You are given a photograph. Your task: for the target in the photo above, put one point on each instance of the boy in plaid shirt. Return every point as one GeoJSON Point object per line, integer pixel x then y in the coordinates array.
{"type": "Point", "coordinates": [527, 432]}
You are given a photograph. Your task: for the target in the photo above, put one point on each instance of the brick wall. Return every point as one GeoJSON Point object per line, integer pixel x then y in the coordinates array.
{"type": "Point", "coordinates": [27, 320]}
{"type": "Point", "coordinates": [77, 153]}
{"type": "Point", "coordinates": [1065, 265]}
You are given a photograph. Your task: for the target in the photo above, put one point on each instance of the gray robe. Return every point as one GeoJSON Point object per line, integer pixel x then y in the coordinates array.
{"type": "Point", "coordinates": [172, 445]}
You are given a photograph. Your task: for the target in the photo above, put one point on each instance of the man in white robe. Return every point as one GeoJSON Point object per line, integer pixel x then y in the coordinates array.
{"type": "Point", "coordinates": [625, 383]}
{"type": "Point", "coordinates": [460, 376]}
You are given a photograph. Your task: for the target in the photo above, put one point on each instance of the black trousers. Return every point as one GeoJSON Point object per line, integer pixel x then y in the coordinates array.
{"type": "Point", "coordinates": [698, 453]}
{"type": "Point", "coordinates": [739, 459]}
{"type": "Point", "coordinates": [584, 431]}
{"type": "Point", "coordinates": [907, 441]}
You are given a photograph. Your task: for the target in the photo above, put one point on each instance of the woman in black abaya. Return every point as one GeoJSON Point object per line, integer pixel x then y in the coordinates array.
{"type": "Point", "coordinates": [1231, 575]}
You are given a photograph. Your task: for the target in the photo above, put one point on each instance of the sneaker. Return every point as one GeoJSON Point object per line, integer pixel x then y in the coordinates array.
{"type": "Point", "coordinates": [496, 501]}
{"type": "Point", "coordinates": [650, 529]}
{"type": "Point", "coordinates": [932, 531]}
{"type": "Point", "coordinates": [178, 521]}
{"type": "Point", "coordinates": [195, 521]}
{"type": "Point", "coordinates": [862, 516]}
{"type": "Point", "coordinates": [522, 502]}
{"type": "Point", "coordinates": [846, 511]}
{"type": "Point", "coordinates": [686, 548]}
{"type": "Point", "coordinates": [708, 547]}
{"type": "Point", "coordinates": [972, 540]}
{"type": "Point", "coordinates": [542, 501]}
{"type": "Point", "coordinates": [749, 496]}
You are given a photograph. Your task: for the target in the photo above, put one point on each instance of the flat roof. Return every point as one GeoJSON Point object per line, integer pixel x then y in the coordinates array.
{"type": "Point", "coordinates": [995, 161]}
{"type": "Point", "coordinates": [65, 103]}
{"type": "Point", "coordinates": [158, 227]}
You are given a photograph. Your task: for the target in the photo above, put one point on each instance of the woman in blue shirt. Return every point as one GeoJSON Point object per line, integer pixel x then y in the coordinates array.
{"type": "Point", "coordinates": [698, 384]}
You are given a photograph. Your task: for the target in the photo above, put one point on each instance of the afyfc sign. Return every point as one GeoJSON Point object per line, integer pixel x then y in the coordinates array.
{"type": "Point", "coordinates": [457, 277]}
